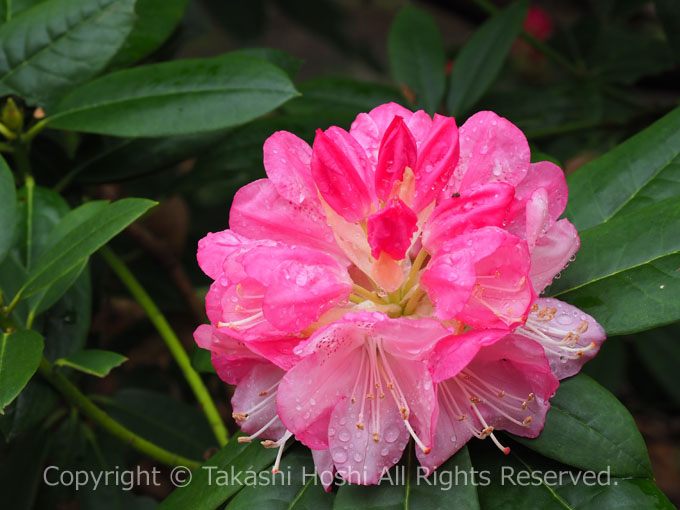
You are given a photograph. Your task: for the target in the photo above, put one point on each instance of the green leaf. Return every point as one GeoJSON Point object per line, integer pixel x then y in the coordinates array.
{"type": "Point", "coordinates": [175, 98]}
{"type": "Point", "coordinates": [639, 172]}
{"type": "Point", "coordinates": [417, 57]}
{"type": "Point", "coordinates": [156, 20]}
{"type": "Point", "coordinates": [20, 355]}
{"type": "Point", "coordinates": [295, 487]}
{"type": "Point", "coordinates": [201, 360]}
{"type": "Point", "coordinates": [625, 274]}
{"type": "Point", "coordinates": [51, 48]}
{"type": "Point", "coordinates": [659, 351]}
{"type": "Point", "coordinates": [583, 413]}
{"type": "Point", "coordinates": [339, 100]}
{"type": "Point", "coordinates": [406, 487]}
{"type": "Point", "coordinates": [481, 59]}
{"type": "Point", "coordinates": [11, 8]}
{"type": "Point", "coordinates": [166, 421]}
{"type": "Point", "coordinates": [83, 240]}
{"type": "Point", "coordinates": [93, 361]}
{"type": "Point", "coordinates": [8, 206]}
{"type": "Point", "coordinates": [281, 59]}
{"type": "Point", "coordinates": [203, 493]}
{"type": "Point", "coordinates": [525, 480]}
{"type": "Point", "coordinates": [32, 405]}
{"type": "Point", "coordinates": [669, 16]}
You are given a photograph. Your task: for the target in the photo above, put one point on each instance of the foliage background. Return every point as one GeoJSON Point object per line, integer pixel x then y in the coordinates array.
{"type": "Point", "coordinates": [618, 75]}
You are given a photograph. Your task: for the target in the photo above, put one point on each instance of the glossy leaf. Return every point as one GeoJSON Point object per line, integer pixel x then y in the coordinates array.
{"type": "Point", "coordinates": [83, 240]}
{"type": "Point", "coordinates": [93, 361]}
{"type": "Point", "coordinates": [47, 50]}
{"type": "Point", "coordinates": [175, 98]}
{"type": "Point", "coordinates": [406, 486]}
{"type": "Point", "coordinates": [155, 22]}
{"type": "Point", "coordinates": [203, 493]}
{"type": "Point", "coordinates": [524, 479]}
{"type": "Point", "coordinates": [11, 8]}
{"type": "Point", "coordinates": [417, 57]}
{"type": "Point", "coordinates": [588, 428]}
{"type": "Point", "coordinates": [281, 59]}
{"type": "Point", "coordinates": [20, 355]}
{"type": "Point", "coordinates": [625, 273]}
{"type": "Point", "coordinates": [481, 59]}
{"type": "Point", "coordinates": [659, 351]}
{"type": "Point", "coordinates": [639, 172]}
{"type": "Point", "coordinates": [8, 206]}
{"type": "Point", "coordinates": [32, 405]}
{"type": "Point", "coordinates": [295, 487]}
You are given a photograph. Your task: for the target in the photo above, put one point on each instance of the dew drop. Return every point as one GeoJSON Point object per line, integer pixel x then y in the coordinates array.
{"type": "Point", "coordinates": [339, 455]}
{"type": "Point", "coordinates": [344, 435]}
{"type": "Point", "coordinates": [563, 319]}
{"type": "Point", "coordinates": [662, 287]}
{"type": "Point", "coordinates": [391, 434]}
{"type": "Point", "coordinates": [358, 457]}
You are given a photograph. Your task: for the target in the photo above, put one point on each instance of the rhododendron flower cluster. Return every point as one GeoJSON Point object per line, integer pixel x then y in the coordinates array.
{"type": "Point", "coordinates": [381, 286]}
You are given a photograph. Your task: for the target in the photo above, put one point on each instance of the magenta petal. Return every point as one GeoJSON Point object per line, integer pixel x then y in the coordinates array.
{"type": "Point", "coordinates": [549, 176]}
{"type": "Point", "coordinates": [397, 152]}
{"type": "Point", "coordinates": [213, 249]}
{"type": "Point", "coordinates": [484, 206]}
{"type": "Point", "coordinates": [437, 158]}
{"type": "Point", "coordinates": [552, 253]}
{"type": "Point", "coordinates": [259, 212]}
{"type": "Point", "coordinates": [391, 229]}
{"type": "Point", "coordinates": [255, 396]}
{"type": "Point", "coordinates": [339, 181]}
{"type": "Point", "coordinates": [323, 465]}
{"type": "Point", "coordinates": [491, 149]}
{"type": "Point", "coordinates": [287, 160]}
{"type": "Point", "coordinates": [569, 336]}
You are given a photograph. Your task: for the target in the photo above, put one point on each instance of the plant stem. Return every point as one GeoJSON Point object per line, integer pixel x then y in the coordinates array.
{"type": "Point", "coordinates": [171, 340]}
{"type": "Point", "coordinates": [85, 406]}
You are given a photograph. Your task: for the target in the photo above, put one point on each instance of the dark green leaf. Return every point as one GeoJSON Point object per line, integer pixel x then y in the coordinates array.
{"type": "Point", "coordinates": [479, 62]}
{"type": "Point", "coordinates": [200, 360]}
{"type": "Point", "coordinates": [295, 487]}
{"type": "Point", "coordinates": [669, 16]}
{"type": "Point", "coordinates": [175, 98]}
{"type": "Point", "coordinates": [167, 422]}
{"type": "Point", "coordinates": [659, 351]}
{"type": "Point", "coordinates": [626, 272]}
{"type": "Point", "coordinates": [203, 493]}
{"type": "Point", "coordinates": [28, 409]}
{"type": "Point", "coordinates": [20, 355]}
{"type": "Point", "coordinates": [156, 20]}
{"type": "Point", "coordinates": [57, 45]}
{"type": "Point", "coordinates": [525, 480]}
{"type": "Point", "coordinates": [583, 413]}
{"type": "Point", "coordinates": [406, 486]}
{"type": "Point", "coordinates": [279, 58]}
{"type": "Point", "coordinates": [21, 471]}
{"type": "Point", "coordinates": [8, 206]}
{"type": "Point", "coordinates": [83, 240]}
{"type": "Point", "coordinates": [639, 172]}
{"type": "Point", "coordinates": [11, 8]}
{"type": "Point", "coordinates": [93, 361]}
{"type": "Point", "coordinates": [417, 57]}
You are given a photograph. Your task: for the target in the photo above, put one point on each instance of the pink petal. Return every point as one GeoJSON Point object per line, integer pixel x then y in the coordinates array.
{"type": "Point", "coordinates": [537, 218]}
{"type": "Point", "coordinates": [484, 206]}
{"type": "Point", "coordinates": [491, 149]}
{"type": "Point", "coordinates": [397, 152]}
{"type": "Point", "coordinates": [213, 249]}
{"type": "Point", "coordinates": [258, 389]}
{"type": "Point", "coordinates": [287, 161]}
{"type": "Point", "coordinates": [437, 158]}
{"type": "Point", "coordinates": [552, 253]}
{"type": "Point", "coordinates": [339, 181]}
{"type": "Point", "coordinates": [419, 125]}
{"type": "Point", "coordinates": [569, 336]}
{"type": "Point", "coordinates": [455, 352]}
{"type": "Point", "coordinates": [323, 465]}
{"type": "Point", "coordinates": [259, 212]}
{"type": "Point", "coordinates": [549, 176]}
{"type": "Point", "coordinates": [391, 229]}
{"type": "Point", "coordinates": [231, 370]}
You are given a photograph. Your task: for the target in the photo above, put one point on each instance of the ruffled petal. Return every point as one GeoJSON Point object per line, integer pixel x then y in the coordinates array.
{"type": "Point", "coordinates": [484, 206]}
{"type": "Point", "coordinates": [260, 212]}
{"type": "Point", "coordinates": [391, 229]}
{"type": "Point", "coordinates": [339, 170]}
{"type": "Point", "coordinates": [548, 176]}
{"type": "Point", "coordinates": [569, 336]}
{"type": "Point", "coordinates": [491, 149]}
{"type": "Point", "coordinates": [254, 402]}
{"type": "Point", "coordinates": [437, 158]}
{"type": "Point", "coordinates": [214, 248]}
{"type": "Point", "coordinates": [398, 151]}
{"type": "Point", "coordinates": [287, 161]}
{"type": "Point", "coordinates": [552, 253]}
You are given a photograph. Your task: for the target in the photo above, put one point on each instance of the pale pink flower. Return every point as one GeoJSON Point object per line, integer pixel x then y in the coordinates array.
{"type": "Point", "coordinates": [388, 276]}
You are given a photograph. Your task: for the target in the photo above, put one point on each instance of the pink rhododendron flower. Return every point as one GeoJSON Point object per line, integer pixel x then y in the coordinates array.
{"type": "Point", "coordinates": [382, 284]}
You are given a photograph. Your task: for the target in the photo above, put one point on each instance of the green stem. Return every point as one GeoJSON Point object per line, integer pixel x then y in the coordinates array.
{"type": "Point", "coordinates": [34, 130]}
{"type": "Point", "coordinates": [85, 405]}
{"type": "Point", "coordinates": [171, 340]}
{"type": "Point", "coordinates": [7, 132]}
{"type": "Point", "coordinates": [30, 187]}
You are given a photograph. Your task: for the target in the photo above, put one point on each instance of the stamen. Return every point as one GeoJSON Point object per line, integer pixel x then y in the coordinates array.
{"type": "Point", "coordinates": [236, 324]}
{"type": "Point", "coordinates": [256, 408]}
{"type": "Point", "coordinates": [282, 443]}
{"type": "Point", "coordinates": [248, 439]}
